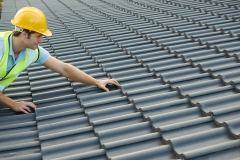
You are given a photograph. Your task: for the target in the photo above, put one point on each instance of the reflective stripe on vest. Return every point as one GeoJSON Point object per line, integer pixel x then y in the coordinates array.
{"type": "Point", "coordinates": [7, 78]}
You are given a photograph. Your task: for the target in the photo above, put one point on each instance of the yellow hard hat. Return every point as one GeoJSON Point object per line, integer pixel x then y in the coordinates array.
{"type": "Point", "coordinates": [32, 19]}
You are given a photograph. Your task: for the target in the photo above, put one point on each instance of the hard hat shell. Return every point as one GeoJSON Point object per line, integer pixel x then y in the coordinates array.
{"type": "Point", "coordinates": [32, 19]}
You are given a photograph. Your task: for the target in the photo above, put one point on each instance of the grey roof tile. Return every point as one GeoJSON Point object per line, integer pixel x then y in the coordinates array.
{"type": "Point", "coordinates": [184, 47]}
{"type": "Point", "coordinates": [198, 54]}
{"type": "Point", "coordinates": [141, 45]}
{"type": "Point", "coordinates": [140, 85]}
{"type": "Point", "coordinates": [91, 38]}
{"type": "Point", "coordinates": [226, 26]}
{"type": "Point", "coordinates": [230, 77]}
{"type": "Point", "coordinates": [215, 62]}
{"type": "Point", "coordinates": [37, 85]}
{"type": "Point", "coordinates": [160, 35]}
{"type": "Point", "coordinates": [134, 147]}
{"type": "Point", "coordinates": [171, 68]}
{"type": "Point", "coordinates": [132, 79]}
{"type": "Point", "coordinates": [58, 110]}
{"type": "Point", "coordinates": [132, 43]}
{"type": "Point", "coordinates": [148, 91]}
{"type": "Point", "coordinates": [171, 76]}
{"type": "Point", "coordinates": [196, 34]}
{"type": "Point", "coordinates": [62, 126]}
{"type": "Point", "coordinates": [164, 107]}
{"type": "Point", "coordinates": [157, 98]}
{"type": "Point", "coordinates": [94, 45]}
{"type": "Point", "coordinates": [105, 103]}
{"type": "Point", "coordinates": [71, 148]}
{"type": "Point", "coordinates": [103, 56]}
{"type": "Point", "coordinates": [132, 72]}
{"type": "Point", "coordinates": [160, 152]}
{"type": "Point", "coordinates": [226, 68]}
{"type": "Point", "coordinates": [110, 112]}
{"type": "Point", "coordinates": [97, 97]}
{"type": "Point", "coordinates": [123, 68]}
{"type": "Point", "coordinates": [226, 46]}
{"type": "Point", "coordinates": [118, 121]}
{"type": "Point", "coordinates": [52, 93]}
{"type": "Point", "coordinates": [174, 40]}
{"type": "Point", "coordinates": [189, 79]}
{"type": "Point", "coordinates": [186, 128]}
{"type": "Point", "coordinates": [177, 42]}
{"type": "Point", "coordinates": [117, 134]}
{"type": "Point", "coordinates": [159, 63]}
{"type": "Point", "coordinates": [92, 155]}
{"type": "Point", "coordinates": [211, 93]}
{"type": "Point", "coordinates": [196, 147]}
{"type": "Point", "coordinates": [14, 141]}
{"type": "Point", "coordinates": [19, 120]}
{"type": "Point", "coordinates": [222, 41]}
{"type": "Point", "coordinates": [36, 156]}
{"type": "Point", "coordinates": [131, 140]}
{"type": "Point", "coordinates": [55, 100]}
{"type": "Point", "coordinates": [25, 153]}
{"type": "Point", "coordinates": [100, 102]}
{"type": "Point", "coordinates": [115, 58]}
{"type": "Point", "coordinates": [204, 40]}
{"type": "Point", "coordinates": [149, 56]}
{"type": "Point", "coordinates": [231, 153]}
{"type": "Point", "coordinates": [174, 117]}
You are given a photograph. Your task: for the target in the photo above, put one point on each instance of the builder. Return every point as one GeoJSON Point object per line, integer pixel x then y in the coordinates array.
{"type": "Point", "coordinates": [20, 48]}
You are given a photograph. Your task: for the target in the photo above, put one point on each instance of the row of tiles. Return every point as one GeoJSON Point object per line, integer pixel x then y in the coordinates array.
{"type": "Point", "coordinates": [155, 149]}
{"type": "Point", "coordinates": [197, 6]}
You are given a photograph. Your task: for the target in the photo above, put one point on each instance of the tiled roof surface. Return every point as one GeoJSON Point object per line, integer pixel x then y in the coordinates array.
{"type": "Point", "coordinates": [178, 65]}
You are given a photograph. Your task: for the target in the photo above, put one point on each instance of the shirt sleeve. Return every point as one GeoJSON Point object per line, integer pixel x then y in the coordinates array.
{"type": "Point", "coordinates": [1, 48]}
{"type": "Point", "coordinates": [44, 55]}
{"type": "Point", "coordinates": [1, 55]}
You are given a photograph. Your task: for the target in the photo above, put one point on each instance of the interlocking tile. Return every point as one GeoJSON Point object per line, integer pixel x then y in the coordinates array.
{"type": "Point", "coordinates": [178, 66]}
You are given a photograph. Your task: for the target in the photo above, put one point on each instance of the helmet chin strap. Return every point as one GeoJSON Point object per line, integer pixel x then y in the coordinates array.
{"type": "Point", "coordinates": [18, 29]}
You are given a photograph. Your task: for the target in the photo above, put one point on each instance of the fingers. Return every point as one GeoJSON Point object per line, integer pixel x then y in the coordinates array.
{"type": "Point", "coordinates": [103, 84]}
{"type": "Point", "coordinates": [24, 107]}
{"type": "Point", "coordinates": [24, 111]}
{"type": "Point", "coordinates": [105, 89]}
{"type": "Point", "coordinates": [27, 105]}
{"type": "Point", "coordinates": [32, 105]}
{"type": "Point", "coordinates": [113, 81]}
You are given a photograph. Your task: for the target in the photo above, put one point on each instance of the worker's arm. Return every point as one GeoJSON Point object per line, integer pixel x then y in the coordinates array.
{"type": "Point", "coordinates": [73, 73]}
{"type": "Point", "coordinates": [16, 106]}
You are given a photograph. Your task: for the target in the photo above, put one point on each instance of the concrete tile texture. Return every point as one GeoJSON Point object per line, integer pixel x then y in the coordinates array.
{"type": "Point", "coordinates": [178, 65]}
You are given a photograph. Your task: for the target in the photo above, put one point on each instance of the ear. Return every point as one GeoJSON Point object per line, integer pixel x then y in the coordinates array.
{"type": "Point", "coordinates": [24, 34]}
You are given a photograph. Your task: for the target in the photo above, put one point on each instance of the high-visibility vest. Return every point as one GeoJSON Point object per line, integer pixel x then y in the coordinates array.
{"type": "Point", "coordinates": [6, 78]}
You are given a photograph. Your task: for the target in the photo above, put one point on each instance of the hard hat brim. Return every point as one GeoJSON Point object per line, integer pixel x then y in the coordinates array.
{"type": "Point", "coordinates": [47, 33]}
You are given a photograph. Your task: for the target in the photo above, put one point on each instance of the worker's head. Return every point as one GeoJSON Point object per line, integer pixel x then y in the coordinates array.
{"type": "Point", "coordinates": [30, 22]}
{"type": "Point", "coordinates": [32, 19]}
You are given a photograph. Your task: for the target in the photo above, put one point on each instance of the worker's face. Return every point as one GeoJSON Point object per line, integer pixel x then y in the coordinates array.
{"type": "Point", "coordinates": [33, 41]}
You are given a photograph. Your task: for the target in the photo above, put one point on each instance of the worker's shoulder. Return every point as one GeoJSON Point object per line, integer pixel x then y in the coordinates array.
{"type": "Point", "coordinates": [1, 39]}
{"type": "Point", "coordinates": [1, 42]}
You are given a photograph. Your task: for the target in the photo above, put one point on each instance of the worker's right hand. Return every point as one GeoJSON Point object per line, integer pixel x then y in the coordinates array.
{"type": "Point", "coordinates": [23, 107]}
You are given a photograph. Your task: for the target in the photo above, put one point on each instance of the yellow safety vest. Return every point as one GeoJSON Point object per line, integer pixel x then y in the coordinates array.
{"type": "Point", "coordinates": [6, 78]}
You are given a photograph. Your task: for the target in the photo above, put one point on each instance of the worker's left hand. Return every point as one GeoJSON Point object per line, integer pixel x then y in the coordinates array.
{"type": "Point", "coordinates": [102, 83]}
